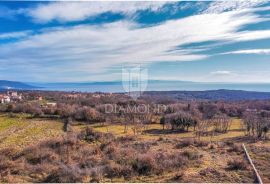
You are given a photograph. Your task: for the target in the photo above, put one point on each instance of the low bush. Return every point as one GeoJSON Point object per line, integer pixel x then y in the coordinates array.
{"type": "Point", "coordinates": [201, 143]}
{"type": "Point", "coordinates": [116, 170]}
{"type": "Point", "coordinates": [168, 162]}
{"type": "Point", "coordinates": [90, 135]}
{"type": "Point", "coordinates": [191, 142]}
{"type": "Point", "coordinates": [191, 154]}
{"type": "Point", "coordinates": [144, 164]}
{"type": "Point", "coordinates": [66, 174]}
{"type": "Point", "coordinates": [212, 146]}
{"type": "Point", "coordinates": [236, 165]}
{"type": "Point", "coordinates": [185, 143]}
{"type": "Point", "coordinates": [141, 147]}
{"type": "Point", "coordinates": [74, 158]}
{"type": "Point", "coordinates": [209, 171]}
{"type": "Point", "coordinates": [236, 148]}
{"type": "Point", "coordinates": [127, 138]}
{"type": "Point", "coordinates": [179, 175]}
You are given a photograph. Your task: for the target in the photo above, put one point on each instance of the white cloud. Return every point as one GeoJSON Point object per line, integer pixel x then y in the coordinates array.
{"type": "Point", "coordinates": [123, 42]}
{"type": "Point", "coordinates": [89, 49]}
{"type": "Point", "coordinates": [222, 72]}
{"type": "Point", "coordinates": [232, 5]}
{"type": "Point", "coordinates": [250, 51]}
{"type": "Point", "coordinates": [252, 35]}
{"type": "Point", "coordinates": [15, 34]}
{"type": "Point", "coordinates": [254, 76]}
{"type": "Point", "coordinates": [76, 11]}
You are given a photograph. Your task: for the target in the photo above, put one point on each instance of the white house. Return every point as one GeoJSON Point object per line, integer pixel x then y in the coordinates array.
{"type": "Point", "coordinates": [12, 93]}
{"type": "Point", "coordinates": [14, 96]}
{"type": "Point", "coordinates": [4, 99]}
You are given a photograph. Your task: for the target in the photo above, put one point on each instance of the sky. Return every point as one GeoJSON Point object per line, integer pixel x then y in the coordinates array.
{"type": "Point", "coordinates": [204, 41]}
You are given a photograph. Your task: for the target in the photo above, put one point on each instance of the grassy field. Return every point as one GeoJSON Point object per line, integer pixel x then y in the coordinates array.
{"type": "Point", "coordinates": [259, 150]}
{"type": "Point", "coordinates": [20, 130]}
{"type": "Point", "coordinates": [155, 131]}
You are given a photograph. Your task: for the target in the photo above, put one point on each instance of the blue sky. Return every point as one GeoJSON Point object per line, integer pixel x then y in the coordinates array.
{"type": "Point", "coordinates": [219, 41]}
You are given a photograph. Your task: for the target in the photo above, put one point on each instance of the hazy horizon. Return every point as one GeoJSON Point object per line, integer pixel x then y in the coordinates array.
{"type": "Point", "coordinates": [117, 86]}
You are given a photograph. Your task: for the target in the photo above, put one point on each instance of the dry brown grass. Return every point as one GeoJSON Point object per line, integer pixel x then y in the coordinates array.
{"type": "Point", "coordinates": [94, 155]}
{"type": "Point", "coordinates": [91, 156]}
{"type": "Point", "coordinates": [260, 155]}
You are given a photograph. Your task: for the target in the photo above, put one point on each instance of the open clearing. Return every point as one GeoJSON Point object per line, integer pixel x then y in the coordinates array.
{"type": "Point", "coordinates": [155, 131]}
{"type": "Point", "coordinates": [21, 131]}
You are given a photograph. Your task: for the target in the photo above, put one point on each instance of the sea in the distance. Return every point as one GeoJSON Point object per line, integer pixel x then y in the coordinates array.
{"type": "Point", "coordinates": [153, 86]}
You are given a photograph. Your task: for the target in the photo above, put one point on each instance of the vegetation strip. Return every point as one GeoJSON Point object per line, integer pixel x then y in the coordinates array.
{"type": "Point", "coordinates": [258, 177]}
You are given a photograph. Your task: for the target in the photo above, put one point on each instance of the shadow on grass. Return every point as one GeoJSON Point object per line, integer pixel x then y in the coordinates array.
{"type": "Point", "coordinates": [236, 130]}
{"type": "Point", "coordinates": [165, 131]}
{"type": "Point", "coordinates": [241, 139]}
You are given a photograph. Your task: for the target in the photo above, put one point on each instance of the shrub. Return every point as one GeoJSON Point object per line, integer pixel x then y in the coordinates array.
{"type": "Point", "coordinates": [89, 161]}
{"type": "Point", "coordinates": [190, 142]}
{"type": "Point", "coordinates": [179, 175]}
{"type": "Point", "coordinates": [229, 143]}
{"type": "Point", "coordinates": [212, 146]}
{"type": "Point", "coordinates": [160, 139]}
{"type": "Point", "coordinates": [236, 165]}
{"type": "Point", "coordinates": [8, 152]}
{"type": "Point", "coordinates": [4, 164]}
{"type": "Point", "coordinates": [144, 164]}
{"type": "Point", "coordinates": [116, 170]}
{"type": "Point", "coordinates": [126, 156]}
{"type": "Point", "coordinates": [96, 174]}
{"type": "Point", "coordinates": [209, 171]}
{"type": "Point", "coordinates": [201, 143]}
{"type": "Point", "coordinates": [236, 148]}
{"type": "Point", "coordinates": [170, 161]}
{"type": "Point", "coordinates": [90, 135]}
{"type": "Point", "coordinates": [141, 147]}
{"type": "Point", "coordinates": [127, 138]}
{"type": "Point", "coordinates": [185, 143]}
{"type": "Point", "coordinates": [51, 143]}
{"type": "Point", "coordinates": [66, 174]}
{"type": "Point", "coordinates": [111, 150]}
{"type": "Point", "coordinates": [191, 155]}
{"type": "Point", "coordinates": [32, 155]}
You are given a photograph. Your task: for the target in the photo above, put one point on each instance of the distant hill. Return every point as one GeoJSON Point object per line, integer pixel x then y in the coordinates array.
{"type": "Point", "coordinates": [221, 94]}
{"type": "Point", "coordinates": [5, 85]}
{"type": "Point", "coordinates": [218, 91]}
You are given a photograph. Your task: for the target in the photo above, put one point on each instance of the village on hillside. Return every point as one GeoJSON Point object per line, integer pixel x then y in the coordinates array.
{"type": "Point", "coordinates": [10, 96]}
{"type": "Point", "coordinates": [15, 96]}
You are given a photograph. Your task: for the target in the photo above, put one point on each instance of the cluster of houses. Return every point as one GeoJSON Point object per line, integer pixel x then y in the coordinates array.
{"type": "Point", "coordinates": [14, 96]}
{"type": "Point", "coordinates": [10, 96]}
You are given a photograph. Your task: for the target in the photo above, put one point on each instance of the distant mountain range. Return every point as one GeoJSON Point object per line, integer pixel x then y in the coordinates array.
{"type": "Point", "coordinates": [172, 89]}
{"type": "Point", "coordinates": [8, 85]}
{"type": "Point", "coordinates": [221, 94]}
